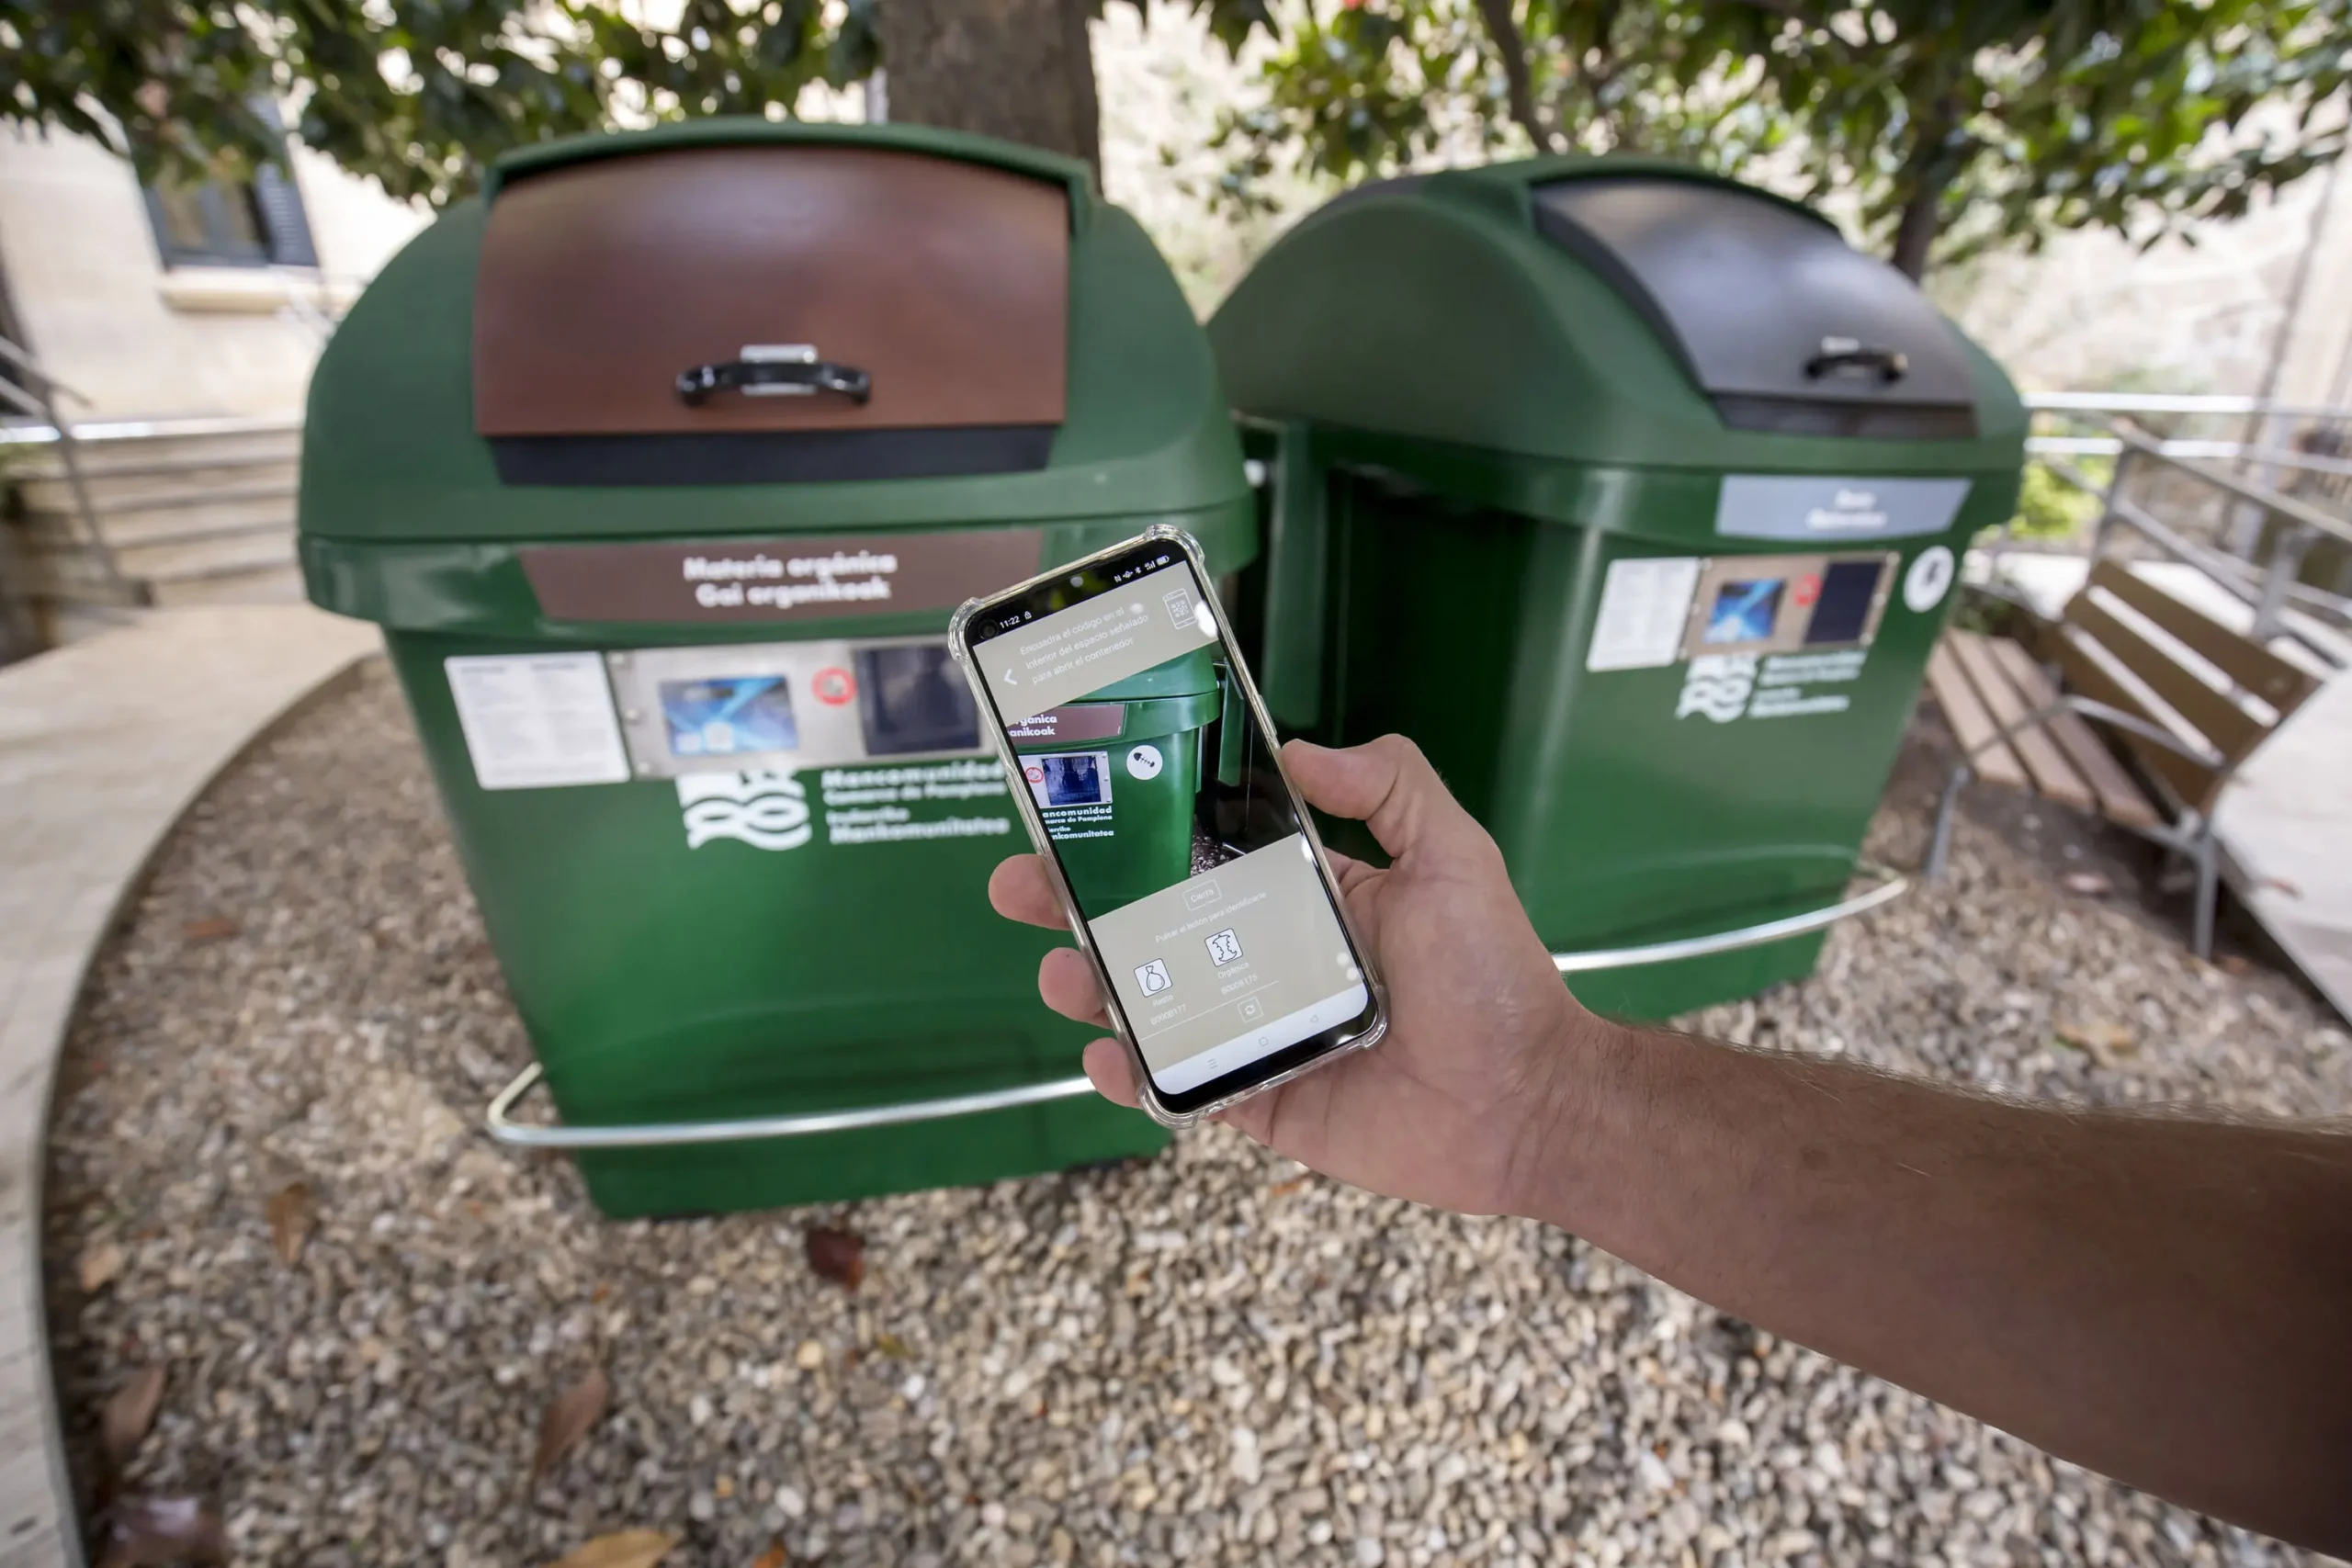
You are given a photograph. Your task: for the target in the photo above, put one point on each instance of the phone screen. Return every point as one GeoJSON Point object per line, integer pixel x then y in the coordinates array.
{"type": "Point", "coordinates": [1176, 834]}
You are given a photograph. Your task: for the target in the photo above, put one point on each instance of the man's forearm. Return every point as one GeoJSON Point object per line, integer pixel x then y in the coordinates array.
{"type": "Point", "coordinates": [2167, 1299]}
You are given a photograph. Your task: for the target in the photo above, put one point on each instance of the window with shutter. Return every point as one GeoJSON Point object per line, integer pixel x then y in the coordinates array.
{"type": "Point", "coordinates": [255, 222]}
{"type": "Point", "coordinates": [283, 227]}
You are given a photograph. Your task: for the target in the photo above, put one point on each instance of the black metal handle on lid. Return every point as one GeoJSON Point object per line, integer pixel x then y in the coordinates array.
{"type": "Point", "coordinates": [763, 376]}
{"type": "Point", "coordinates": [1842, 353]}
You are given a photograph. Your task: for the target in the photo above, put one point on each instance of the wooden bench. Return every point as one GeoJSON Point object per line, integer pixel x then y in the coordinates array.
{"type": "Point", "coordinates": [2187, 697]}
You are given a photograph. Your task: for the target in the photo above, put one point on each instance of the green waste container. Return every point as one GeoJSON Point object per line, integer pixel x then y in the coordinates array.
{"type": "Point", "coordinates": [1115, 778]}
{"type": "Point", "coordinates": [1635, 496]}
{"type": "Point", "coordinates": [662, 466]}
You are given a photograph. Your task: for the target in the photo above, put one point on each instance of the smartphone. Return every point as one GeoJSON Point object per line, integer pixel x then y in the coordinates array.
{"type": "Point", "coordinates": [1145, 769]}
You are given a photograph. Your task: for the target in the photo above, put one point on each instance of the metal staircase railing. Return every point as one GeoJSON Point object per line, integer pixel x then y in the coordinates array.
{"type": "Point", "coordinates": [2309, 443]}
{"type": "Point", "coordinates": [2262, 521]}
{"type": "Point", "coordinates": [26, 388]}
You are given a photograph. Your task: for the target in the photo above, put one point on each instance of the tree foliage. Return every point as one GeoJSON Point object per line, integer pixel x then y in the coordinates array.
{"type": "Point", "coordinates": [1984, 122]}
{"type": "Point", "coordinates": [419, 94]}
{"type": "Point", "coordinates": [1962, 123]}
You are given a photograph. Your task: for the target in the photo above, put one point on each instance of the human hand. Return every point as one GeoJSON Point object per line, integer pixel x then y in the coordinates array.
{"type": "Point", "coordinates": [1451, 1109]}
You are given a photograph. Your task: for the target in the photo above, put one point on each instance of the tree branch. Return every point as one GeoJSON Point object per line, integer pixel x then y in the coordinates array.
{"type": "Point", "coordinates": [1517, 82]}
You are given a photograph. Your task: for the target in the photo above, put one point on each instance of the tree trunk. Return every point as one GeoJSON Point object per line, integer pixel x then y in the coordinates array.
{"type": "Point", "coordinates": [1922, 214]}
{"type": "Point", "coordinates": [1015, 69]}
{"type": "Point", "coordinates": [1517, 82]}
{"type": "Point", "coordinates": [1938, 154]}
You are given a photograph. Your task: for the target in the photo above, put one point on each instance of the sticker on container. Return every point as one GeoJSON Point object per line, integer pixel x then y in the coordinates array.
{"type": "Point", "coordinates": [724, 714]}
{"type": "Point", "coordinates": [535, 720]}
{"type": "Point", "coordinates": [1928, 580]}
{"type": "Point", "coordinates": [1744, 610]}
{"type": "Point", "coordinates": [1644, 606]}
{"type": "Point", "coordinates": [834, 685]}
{"type": "Point", "coordinates": [1144, 762]}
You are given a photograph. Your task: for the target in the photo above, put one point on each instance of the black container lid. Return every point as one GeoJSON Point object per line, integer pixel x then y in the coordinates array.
{"type": "Point", "coordinates": [1786, 327]}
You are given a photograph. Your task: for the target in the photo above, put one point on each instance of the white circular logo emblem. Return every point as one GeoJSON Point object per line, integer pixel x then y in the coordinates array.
{"type": "Point", "coordinates": [1930, 575]}
{"type": "Point", "coordinates": [1143, 762]}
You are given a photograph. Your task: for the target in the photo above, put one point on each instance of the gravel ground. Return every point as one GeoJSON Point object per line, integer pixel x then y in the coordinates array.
{"type": "Point", "coordinates": [1208, 1356]}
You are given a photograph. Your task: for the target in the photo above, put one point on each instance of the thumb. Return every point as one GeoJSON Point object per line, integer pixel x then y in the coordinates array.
{"type": "Point", "coordinates": [1390, 787]}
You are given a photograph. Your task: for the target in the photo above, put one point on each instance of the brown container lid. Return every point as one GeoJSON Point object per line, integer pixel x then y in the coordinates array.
{"type": "Point", "coordinates": [943, 284]}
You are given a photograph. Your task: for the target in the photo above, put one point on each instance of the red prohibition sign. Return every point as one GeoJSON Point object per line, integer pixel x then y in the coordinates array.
{"type": "Point", "coordinates": [1035, 773]}
{"type": "Point", "coordinates": [1805, 589]}
{"type": "Point", "coordinates": [834, 685]}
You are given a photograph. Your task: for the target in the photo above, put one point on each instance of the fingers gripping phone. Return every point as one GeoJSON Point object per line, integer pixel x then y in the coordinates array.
{"type": "Point", "coordinates": [1145, 769]}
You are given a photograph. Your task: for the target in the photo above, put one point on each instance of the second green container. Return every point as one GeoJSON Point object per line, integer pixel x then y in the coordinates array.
{"type": "Point", "coordinates": [1636, 497]}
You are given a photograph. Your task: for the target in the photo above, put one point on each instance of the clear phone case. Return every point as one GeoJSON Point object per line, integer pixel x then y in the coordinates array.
{"type": "Point", "coordinates": [1035, 821]}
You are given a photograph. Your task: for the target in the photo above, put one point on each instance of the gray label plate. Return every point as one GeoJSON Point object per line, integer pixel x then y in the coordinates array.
{"type": "Point", "coordinates": [1828, 511]}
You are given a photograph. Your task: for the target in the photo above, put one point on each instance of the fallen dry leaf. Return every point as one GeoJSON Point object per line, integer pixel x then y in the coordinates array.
{"type": "Point", "coordinates": [210, 928]}
{"type": "Point", "coordinates": [2106, 1042]}
{"type": "Point", "coordinates": [2089, 883]}
{"type": "Point", "coordinates": [99, 1264]}
{"type": "Point", "coordinates": [160, 1532]}
{"type": "Point", "coordinates": [130, 1412]}
{"type": "Point", "coordinates": [292, 1210]}
{"type": "Point", "coordinates": [723, 1488]}
{"type": "Point", "coordinates": [890, 1345]}
{"type": "Point", "coordinates": [2236, 963]}
{"type": "Point", "coordinates": [1284, 1188]}
{"type": "Point", "coordinates": [837, 1255]}
{"type": "Point", "coordinates": [772, 1557]}
{"type": "Point", "coordinates": [624, 1549]}
{"type": "Point", "coordinates": [567, 1419]}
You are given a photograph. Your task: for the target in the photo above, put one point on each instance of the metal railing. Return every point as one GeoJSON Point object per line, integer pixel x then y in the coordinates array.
{"type": "Point", "coordinates": [2108, 446]}
{"type": "Point", "coordinates": [2303, 451]}
{"type": "Point", "coordinates": [2178, 403]}
{"type": "Point", "coordinates": [98, 433]}
{"type": "Point", "coordinates": [2259, 536]}
{"type": "Point", "coordinates": [33, 391]}
{"type": "Point", "coordinates": [2309, 437]}
{"type": "Point", "coordinates": [174, 468]}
